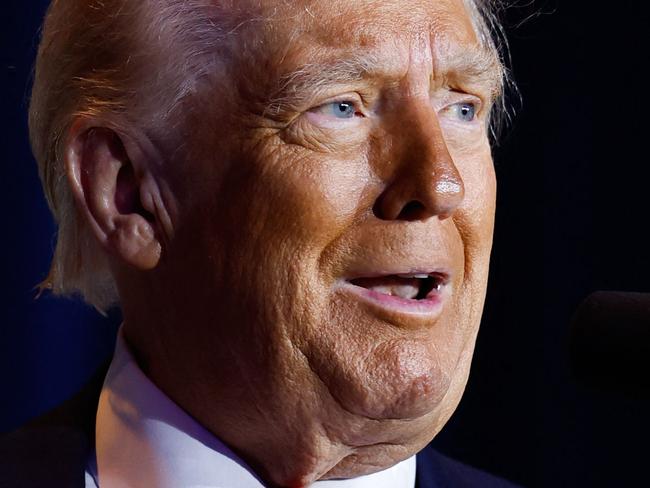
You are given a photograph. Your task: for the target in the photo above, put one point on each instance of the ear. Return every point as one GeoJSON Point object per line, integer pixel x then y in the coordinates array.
{"type": "Point", "coordinates": [107, 188]}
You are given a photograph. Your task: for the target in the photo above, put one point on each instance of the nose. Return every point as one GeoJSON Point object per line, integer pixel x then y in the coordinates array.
{"type": "Point", "coordinates": [423, 180]}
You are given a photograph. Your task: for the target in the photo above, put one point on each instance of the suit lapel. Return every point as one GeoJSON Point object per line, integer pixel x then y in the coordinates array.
{"type": "Point", "coordinates": [52, 450]}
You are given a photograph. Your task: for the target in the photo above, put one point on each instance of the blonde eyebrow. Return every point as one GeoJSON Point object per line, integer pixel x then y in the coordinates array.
{"type": "Point", "coordinates": [473, 65]}
{"type": "Point", "coordinates": [295, 87]}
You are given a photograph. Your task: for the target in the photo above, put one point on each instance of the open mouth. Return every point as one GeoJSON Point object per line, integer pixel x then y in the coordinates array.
{"type": "Point", "coordinates": [420, 286]}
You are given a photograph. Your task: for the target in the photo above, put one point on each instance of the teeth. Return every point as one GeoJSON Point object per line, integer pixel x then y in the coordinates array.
{"type": "Point", "coordinates": [404, 291]}
{"type": "Point", "coordinates": [409, 276]}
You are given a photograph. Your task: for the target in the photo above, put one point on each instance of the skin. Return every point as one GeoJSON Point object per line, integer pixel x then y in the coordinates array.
{"type": "Point", "coordinates": [231, 241]}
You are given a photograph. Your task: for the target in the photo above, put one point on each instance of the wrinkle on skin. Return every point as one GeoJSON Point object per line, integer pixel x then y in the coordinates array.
{"type": "Point", "coordinates": [275, 210]}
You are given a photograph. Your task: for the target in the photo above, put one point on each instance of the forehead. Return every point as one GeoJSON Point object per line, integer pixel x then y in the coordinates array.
{"type": "Point", "coordinates": [274, 40]}
{"type": "Point", "coordinates": [327, 26]}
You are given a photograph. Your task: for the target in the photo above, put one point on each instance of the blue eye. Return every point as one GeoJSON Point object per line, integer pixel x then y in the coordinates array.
{"type": "Point", "coordinates": [340, 110]}
{"type": "Point", "coordinates": [465, 111]}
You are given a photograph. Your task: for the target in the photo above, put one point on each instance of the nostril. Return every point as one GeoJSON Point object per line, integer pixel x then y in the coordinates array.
{"type": "Point", "coordinates": [413, 210]}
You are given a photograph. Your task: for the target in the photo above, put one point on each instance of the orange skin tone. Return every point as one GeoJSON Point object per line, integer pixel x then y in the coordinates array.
{"type": "Point", "coordinates": [229, 242]}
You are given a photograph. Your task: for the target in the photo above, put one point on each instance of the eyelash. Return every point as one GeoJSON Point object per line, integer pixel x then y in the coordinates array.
{"type": "Point", "coordinates": [351, 103]}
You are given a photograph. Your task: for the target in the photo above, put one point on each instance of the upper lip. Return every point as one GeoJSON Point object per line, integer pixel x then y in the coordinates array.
{"type": "Point", "coordinates": [439, 272]}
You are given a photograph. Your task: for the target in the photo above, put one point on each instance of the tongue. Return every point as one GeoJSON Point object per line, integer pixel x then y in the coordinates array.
{"type": "Point", "coordinates": [391, 285]}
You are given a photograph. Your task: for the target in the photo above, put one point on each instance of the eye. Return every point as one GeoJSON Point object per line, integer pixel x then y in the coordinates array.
{"type": "Point", "coordinates": [465, 111]}
{"type": "Point", "coordinates": [344, 109]}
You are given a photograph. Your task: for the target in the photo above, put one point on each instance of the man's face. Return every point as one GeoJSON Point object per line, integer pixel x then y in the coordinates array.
{"type": "Point", "coordinates": [333, 224]}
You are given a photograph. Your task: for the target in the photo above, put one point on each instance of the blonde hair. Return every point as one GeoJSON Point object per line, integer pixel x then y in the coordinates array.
{"type": "Point", "coordinates": [113, 60]}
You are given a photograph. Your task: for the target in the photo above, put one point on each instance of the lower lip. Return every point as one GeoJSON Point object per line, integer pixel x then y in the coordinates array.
{"type": "Point", "coordinates": [431, 306]}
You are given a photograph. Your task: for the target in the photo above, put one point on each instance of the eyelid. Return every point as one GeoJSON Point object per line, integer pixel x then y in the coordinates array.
{"type": "Point", "coordinates": [458, 98]}
{"type": "Point", "coordinates": [351, 97]}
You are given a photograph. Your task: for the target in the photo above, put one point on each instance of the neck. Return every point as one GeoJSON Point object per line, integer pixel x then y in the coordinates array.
{"type": "Point", "coordinates": [290, 436]}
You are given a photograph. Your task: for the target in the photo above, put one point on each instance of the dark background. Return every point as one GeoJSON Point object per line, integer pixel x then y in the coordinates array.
{"type": "Point", "coordinates": [572, 217]}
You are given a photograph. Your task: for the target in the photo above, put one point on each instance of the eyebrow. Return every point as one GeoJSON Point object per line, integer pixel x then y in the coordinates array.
{"type": "Point", "coordinates": [474, 65]}
{"type": "Point", "coordinates": [295, 87]}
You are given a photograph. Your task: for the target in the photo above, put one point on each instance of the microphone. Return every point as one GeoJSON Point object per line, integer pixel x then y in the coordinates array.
{"type": "Point", "coordinates": [609, 342]}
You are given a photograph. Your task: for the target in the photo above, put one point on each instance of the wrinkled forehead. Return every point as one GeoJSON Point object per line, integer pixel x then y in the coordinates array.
{"type": "Point", "coordinates": [289, 26]}
{"type": "Point", "coordinates": [277, 36]}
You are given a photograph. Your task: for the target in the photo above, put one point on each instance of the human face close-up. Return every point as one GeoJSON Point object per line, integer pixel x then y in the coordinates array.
{"type": "Point", "coordinates": [333, 218]}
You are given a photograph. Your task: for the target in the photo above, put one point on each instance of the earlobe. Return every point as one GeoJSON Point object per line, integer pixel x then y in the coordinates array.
{"type": "Point", "coordinates": [106, 184]}
{"type": "Point", "coordinates": [134, 241]}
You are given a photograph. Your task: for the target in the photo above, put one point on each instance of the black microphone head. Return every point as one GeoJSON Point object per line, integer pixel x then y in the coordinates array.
{"type": "Point", "coordinates": [609, 342]}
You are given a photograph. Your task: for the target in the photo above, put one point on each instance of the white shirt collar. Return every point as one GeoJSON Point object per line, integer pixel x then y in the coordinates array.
{"type": "Point", "coordinates": [145, 439]}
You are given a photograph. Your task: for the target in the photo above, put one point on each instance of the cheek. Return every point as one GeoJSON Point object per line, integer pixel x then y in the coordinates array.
{"type": "Point", "coordinates": [475, 217]}
{"type": "Point", "coordinates": [377, 370]}
{"type": "Point", "coordinates": [269, 223]}
{"type": "Point", "coordinates": [306, 200]}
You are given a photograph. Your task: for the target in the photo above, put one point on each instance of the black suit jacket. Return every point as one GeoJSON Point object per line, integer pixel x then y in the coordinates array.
{"type": "Point", "coordinates": [52, 451]}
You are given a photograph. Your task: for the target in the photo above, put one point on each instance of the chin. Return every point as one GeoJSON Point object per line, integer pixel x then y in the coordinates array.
{"type": "Point", "coordinates": [410, 398]}
{"type": "Point", "coordinates": [421, 396]}
{"type": "Point", "coordinates": [400, 381]}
